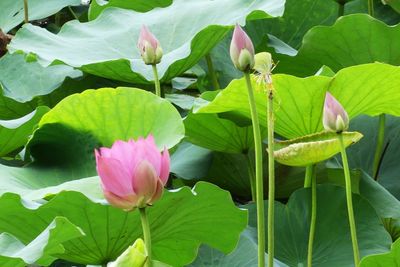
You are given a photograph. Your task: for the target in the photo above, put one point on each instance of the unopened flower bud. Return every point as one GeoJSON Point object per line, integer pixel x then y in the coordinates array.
{"type": "Point", "coordinates": [335, 118]}
{"type": "Point", "coordinates": [242, 50]}
{"type": "Point", "coordinates": [133, 256]}
{"type": "Point", "coordinates": [149, 47]}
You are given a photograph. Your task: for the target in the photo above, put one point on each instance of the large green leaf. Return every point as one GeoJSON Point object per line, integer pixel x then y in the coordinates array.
{"type": "Point", "coordinates": [42, 248]}
{"type": "Point", "coordinates": [180, 221]}
{"type": "Point", "coordinates": [82, 121]}
{"type": "Point", "coordinates": [22, 81]}
{"type": "Point", "coordinates": [15, 133]}
{"type": "Point", "coordinates": [245, 254]}
{"type": "Point", "coordinates": [332, 243]}
{"type": "Point", "coordinates": [299, 101]}
{"type": "Point", "coordinates": [97, 6]}
{"type": "Point", "coordinates": [78, 44]}
{"type": "Point", "coordinates": [12, 12]}
{"type": "Point", "coordinates": [212, 132]}
{"type": "Point", "coordinates": [391, 258]}
{"type": "Point", "coordinates": [338, 47]}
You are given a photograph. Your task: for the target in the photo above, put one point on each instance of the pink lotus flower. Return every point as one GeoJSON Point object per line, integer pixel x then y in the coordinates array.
{"type": "Point", "coordinates": [335, 117]}
{"type": "Point", "coordinates": [149, 47]}
{"type": "Point", "coordinates": [242, 50]}
{"type": "Point", "coordinates": [132, 173]}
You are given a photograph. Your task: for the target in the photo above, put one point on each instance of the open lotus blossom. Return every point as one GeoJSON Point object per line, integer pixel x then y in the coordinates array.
{"type": "Point", "coordinates": [242, 50]}
{"type": "Point", "coordinates": [335, 117]}
{"type": "Point", "coordinates": [133, 173]}
{"type": "Point", "coordinates": [149, 47]}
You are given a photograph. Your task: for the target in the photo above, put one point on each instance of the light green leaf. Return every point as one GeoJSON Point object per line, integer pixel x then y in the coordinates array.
{"type": "Point", "coordinates": [22, 81]}
{"type": "Point", "coordinates": [40, 250]}
{"type": "Point", "coordinates": [311, 149]}
{"type": "Point", "coordinates": [180, 221]}
{"type": "Point", "coordinates": [15, 133]}
{"type": "Point", "coordinates": [83, 121]}
{"type": "Point", "coordinates": [391, 258]}
{"type": "Point", "coordinates": [299, 101]}
{"type": "Point", "coordinates": [12, 12]}
{"type": "Point", "coordinates": [212, 132]}
{"type": "Point", "coordinates": [78, 44]}
{"type": "Point", "coordinates": [332, 243]}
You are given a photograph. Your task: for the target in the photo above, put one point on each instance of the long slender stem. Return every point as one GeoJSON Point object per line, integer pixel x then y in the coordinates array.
{"type": "Point", "coordinates": [311, 177]}
{"type": "Point", "coordinates": [308, 177]}
{"type": "Point", "coordinates": [349, 199]}
{"type": "Point", "coordinates": [371, 7]}
{"type": "Point", "coordinates": [271, 175]}
{"type": "Point", "coordinates": [379, 145]}
{"type": "Point", "coordinates": [26, 12]}
{"type": "Point", "coordinates": [211, 72]}
{"type": "Point", "coordinates": [146, 234]}
{"type": "Point", "coordinates": [73, 13]}
{"type": "Point", "coordinates": [252, 177]}
{"type": "Point", "coordinates": [156, 81]}
{"type": "Point", "coordinates": [259, 175]}
{"type": "Point", "coordinates": [341, 9]}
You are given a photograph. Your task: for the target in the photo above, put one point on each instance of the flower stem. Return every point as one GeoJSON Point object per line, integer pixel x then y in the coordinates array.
{"type": "Point", "coordinates": [146, 234]}
{"type": "Point", "coordinates": [371, 7]}
{"type": "Point", "coordinates": [349, 199]}
{"type": "Point", "coordinates": [26, 13]}
{"type": "Point", "coordinates": [259, 176]}
{"type": "Point", "coordinates": [211, 72]}
{"type": "Point", "coordinates": [271, 175]}
{"type": "Point", "coordinates": [157, 81]}
{"type": "Point", "coordinates": [379, 145]}
{"type": "Point", "coordinates": [311, 181]}
{"type": "Point", "coordinates": [250, 170]}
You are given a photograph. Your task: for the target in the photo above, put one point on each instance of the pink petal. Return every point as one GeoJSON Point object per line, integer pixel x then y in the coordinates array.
{"type": "Point", "coordinates": [146, 149]}
{"type": "Point", "coordinates": [146, 36]}
{"type": "Point", "coordinates": [242, 40]}
{"type": "Point", "coordinates": [124, 153]}
{"type": "Point", "coordinates": [114, 177]}
{"type": "Point", "coordinates": [145, 181]}
{"type": "Point", "coordinates": [126, 203]}
{"type": "Point", "coordinates": [165, 165]}
{"type": "Point", "coordinates": [158, 193]}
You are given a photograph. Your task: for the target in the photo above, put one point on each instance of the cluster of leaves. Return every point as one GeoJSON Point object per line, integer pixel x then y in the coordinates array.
{"type": "Point", "coordinates": [73, 80]}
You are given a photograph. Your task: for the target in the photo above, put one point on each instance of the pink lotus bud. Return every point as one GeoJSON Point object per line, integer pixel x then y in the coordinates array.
{"type": "Point", "coordinates": [132, 174]}
{"type": "Point", "coordinates": [149, 47]}
{"type": "Point", "coordinates": [335, 117]}
{"type": "Point", "coordinates": [242, 50]}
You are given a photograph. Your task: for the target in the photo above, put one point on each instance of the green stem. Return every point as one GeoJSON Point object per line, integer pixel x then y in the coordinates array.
{"type": "Point", "coordinates": [349, 199]}
{"type": "Point", "coordinates": [371, 7]}
{"type": "Point", "coordinates": [379, 145]}
{"type": "Point", "coordinates": [271, 176]}
{"type": "Point", "coordinates": [308, 177]}
{"type": "Point", "coordinates": [156, 81]}
{"type": "Point", "coordinates": [250, 170]}
{"type": "Point", "coordinates": [26, 12]}
{"type": "Point", "coordinates": [73, 13]}
{"type": "Point", "coordinates": [341, 9]}
{"type": "Point", "coordinates": [146, 234]}
{"type": "Point", "coordinates": [211, 72]}
{"type": "Point", "coordinates": [311, 177]}
{"type": "Point", "coordinates": [259, 175]}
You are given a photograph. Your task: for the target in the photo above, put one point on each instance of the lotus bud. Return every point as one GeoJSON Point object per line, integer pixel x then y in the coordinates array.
{"type": "Point", "coordinates": [133, 256]}
{"type": "Point", "coordinates": [242, 50]}
{"type": "Point", "coordinates": [149, 47]}
{"type": "Point", "coordinates": [132, 173]}
{"type": "Point", "coordinates": [335, 117]}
